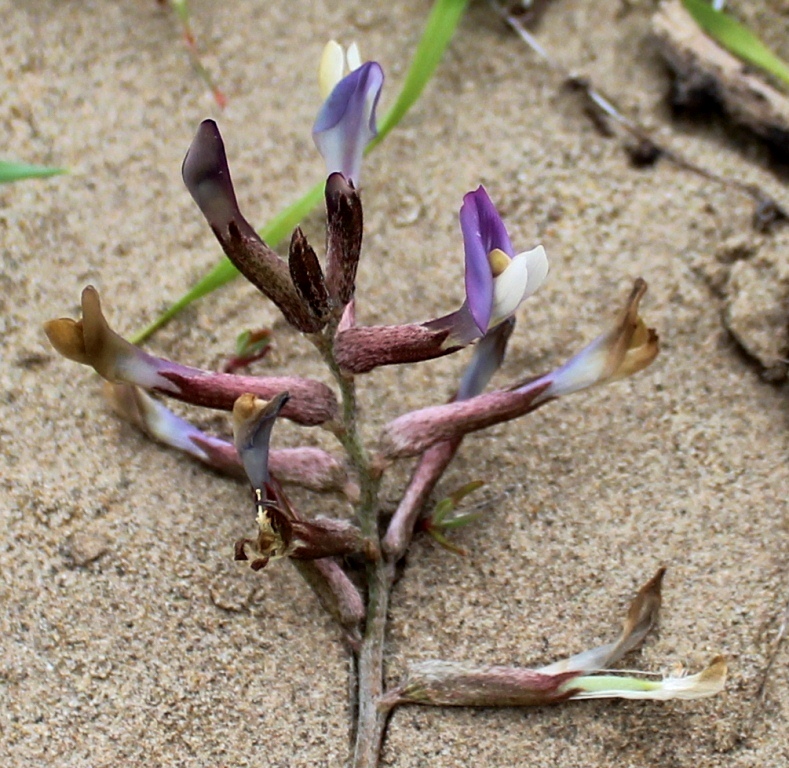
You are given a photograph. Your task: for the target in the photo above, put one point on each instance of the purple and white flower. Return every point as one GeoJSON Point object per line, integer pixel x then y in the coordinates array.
{"type": "Point", "coordinates": [346, 122]}
{"type": "Point", "coordinates": [497, 279]}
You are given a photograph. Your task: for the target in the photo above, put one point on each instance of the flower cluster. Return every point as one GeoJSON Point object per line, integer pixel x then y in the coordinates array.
{"type": "Point", "coordinates": [317, 297]}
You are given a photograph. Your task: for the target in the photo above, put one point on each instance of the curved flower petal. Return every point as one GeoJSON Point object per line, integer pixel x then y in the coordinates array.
{"type": "Point", "coordinates": [626, 348]}
{"type": "Point", "coordinates": [346, 121]}
{"type": "Point", "coordinates": [483, 231]}
{"type": "Point", "coordinates": [253, 421]}
{"type": "Point", "coordinates": [508, 289]}
{"type": "Point", "coordinates": [91, 341]}
{"type": "Point", "coordinates": [524, 275]}
{"type": "Point", "coordinates": [353, 57]}
{"type": "Point", "coordinates": [536, 268]}
{"type": "Point", "coordinates": [331, 68]}
{"type": "Point", "coordinates": [486, 360]}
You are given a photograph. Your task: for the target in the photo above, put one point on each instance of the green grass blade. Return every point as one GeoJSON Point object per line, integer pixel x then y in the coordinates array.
{"type": "Point", "coordinates": [736, 38]}
{"type": "Point", "coordinates": [439, 29]}
{"type": "Point", "coordinates": [10, 171]}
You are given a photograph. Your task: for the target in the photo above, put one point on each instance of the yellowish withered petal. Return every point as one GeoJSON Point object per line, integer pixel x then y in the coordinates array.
{"type": "Point", "coordinates": [629, 332]}
{"type": "Point", "coordinates": [66, 336]}
{"type": "Point", "coordinates": [640, 354]}
{"type": "Point", "coordinates": [102, 345]}
{"type": "Point", "coordinates": [331, 68]}
{"type": "Point", "coordinates": [270, 543]}
{"type": "Point", "coordinates": [246, 408]}
{"type": "Point", "coordinates": [91, 341]}
{"type": "Point", "coordinates": [713, 678]}
{"type": "Point", "coordinates": [628, 347]}
{"type": "Point", "coordinates": [642, 615]}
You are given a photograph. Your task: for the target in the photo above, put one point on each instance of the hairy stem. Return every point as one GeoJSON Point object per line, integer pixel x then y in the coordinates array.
{"type": "Point", "coordinates": [371, 721]}
{"type": "Point", "coordinates": [370, 717]}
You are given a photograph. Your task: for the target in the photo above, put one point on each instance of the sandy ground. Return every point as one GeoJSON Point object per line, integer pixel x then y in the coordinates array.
{"type": "Point", "coordinates": [127, 634]}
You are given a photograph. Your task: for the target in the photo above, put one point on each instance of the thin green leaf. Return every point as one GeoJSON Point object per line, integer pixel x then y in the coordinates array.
{"type": "Point", "coordinates": [439, 29]}
{"type": "Point", "coordinates": [443, 508]}
{"type": "Point", "coordinates": [10, 171]}
{"type": "Point", "coordinates": [446, 543]}
{"type": "Point", "coordinates": [181, 8]}
{"type": "Point", "coordinates": [253, 342]}
{"type": "Point", "coordinates": [736, 38]}
{"type": "Point", "coordinates": [242, 342]}
{"type": "Point", "coordinates": [459, 521]}
{"type": "Point", "coordinates": [450, 504]}
{"type": "Point", "coordinates": [465, 490]}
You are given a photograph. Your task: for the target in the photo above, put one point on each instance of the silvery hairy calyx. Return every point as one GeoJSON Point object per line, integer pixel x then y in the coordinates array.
{"type": "Point", "coordinates": [350, 563]}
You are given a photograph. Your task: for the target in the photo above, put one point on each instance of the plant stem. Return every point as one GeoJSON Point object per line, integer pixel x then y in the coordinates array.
{"type": "Point", "coordinates": [371, 721]}
{"type": "Point", "coordinates": [370, 717]}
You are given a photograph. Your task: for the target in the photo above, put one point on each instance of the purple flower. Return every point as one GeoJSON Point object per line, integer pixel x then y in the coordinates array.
{"type": "Point", "coordinates": [346, 121]}
{"type": "Point", "coordinates": [497, 279]}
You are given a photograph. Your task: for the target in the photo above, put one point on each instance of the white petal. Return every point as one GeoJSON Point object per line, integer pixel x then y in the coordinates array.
{"type": "Point", "coordinates": [331, 68]}
{"type": "Point", "coordinates": [508, 289]}
{"type": "Point", "coordinates": [353, 57]}
{"type": "Point", "coordinates": [536, 268]}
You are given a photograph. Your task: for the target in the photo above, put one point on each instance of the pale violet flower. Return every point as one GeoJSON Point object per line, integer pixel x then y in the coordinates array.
{"type": "Point", "coordinates": [346, 122]}
{"type": "Point", "coordinates": [497, 279]}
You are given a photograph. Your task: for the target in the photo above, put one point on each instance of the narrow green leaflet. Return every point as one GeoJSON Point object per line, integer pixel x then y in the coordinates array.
{"type": "Point", "coordinates": [10, 171]}
{"type": "Point", "coordinates": [439, 29]}
{"type": "Point", "coordinates": [736, 38]}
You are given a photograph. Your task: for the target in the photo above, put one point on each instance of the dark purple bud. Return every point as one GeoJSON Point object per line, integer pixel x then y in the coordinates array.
{"type": "Point", "coordinates": [307, 276]}
{"type": "Point", "coordinates": [207, 177]}
{"type": "Point", "coordinates": [269, 274]}
{"type": "Point", "coordinates": [344, 225]}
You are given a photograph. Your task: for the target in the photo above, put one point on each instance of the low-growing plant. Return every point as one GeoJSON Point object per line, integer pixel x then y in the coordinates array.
{"type": "Point", "coordinates": [350, 563]}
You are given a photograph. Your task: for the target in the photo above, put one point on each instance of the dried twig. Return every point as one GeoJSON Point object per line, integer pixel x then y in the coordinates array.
{"type": "Point", "coordinates": [646, 150]}
{"type": "Point", "coordinates": [704, 70]}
